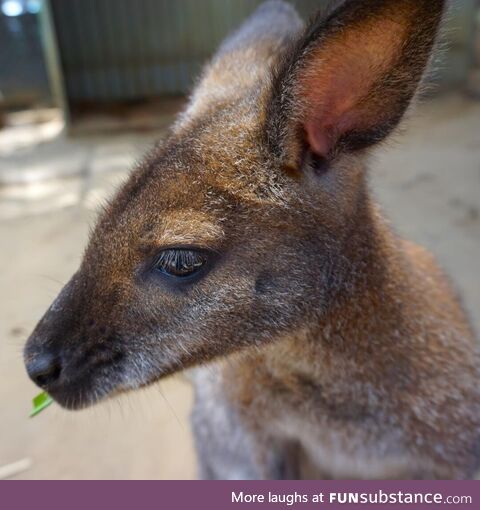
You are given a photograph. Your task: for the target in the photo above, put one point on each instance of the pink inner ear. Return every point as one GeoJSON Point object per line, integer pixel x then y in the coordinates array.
{"type": "Point", "coordinates": [332, 95]}
{"type": "Point", "coordinates": [325, 124]}
{"type": "Point", "coordinates": [335, 84]}
{"type": "Point", "coordinates": [325, 128]}
{"type": "Point", "coordinates": [319, 137]}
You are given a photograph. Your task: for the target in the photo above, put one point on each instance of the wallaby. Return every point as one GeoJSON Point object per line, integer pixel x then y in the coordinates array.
{"type": "Point", "coordinates": [247, 248]}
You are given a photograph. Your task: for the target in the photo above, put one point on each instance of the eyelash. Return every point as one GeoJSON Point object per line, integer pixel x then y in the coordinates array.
{"type": "Point", "coordinates": [180, 262]}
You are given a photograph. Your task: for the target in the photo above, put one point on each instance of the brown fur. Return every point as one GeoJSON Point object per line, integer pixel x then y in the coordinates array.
{"type": "Point", "coordinates": [337, 348]}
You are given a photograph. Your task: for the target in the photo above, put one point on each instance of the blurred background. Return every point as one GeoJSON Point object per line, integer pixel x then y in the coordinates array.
{"type": "Point", "coordinates": [85, 87]}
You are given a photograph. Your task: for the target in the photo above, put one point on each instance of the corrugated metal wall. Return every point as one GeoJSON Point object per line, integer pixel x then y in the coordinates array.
{"type": "Point", "coordinates": [127, 49]}
{"type": "Point", "coordinates": [130, 49]}
{"type": "Point", "coordinates": [23, 78]}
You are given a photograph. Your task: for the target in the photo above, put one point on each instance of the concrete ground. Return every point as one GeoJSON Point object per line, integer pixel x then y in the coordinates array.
{"type": "Point", "coordinates": [428, 180]}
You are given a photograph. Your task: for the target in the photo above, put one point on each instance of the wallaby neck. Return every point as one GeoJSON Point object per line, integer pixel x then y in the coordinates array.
{"type": "Point", "coordinates": [366, 304]}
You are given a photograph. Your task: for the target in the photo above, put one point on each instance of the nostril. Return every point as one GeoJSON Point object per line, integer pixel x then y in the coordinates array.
{"type": "Point", "coordinates": [44, 370]}
{"type": "Point", "coordinates": [47, 378]}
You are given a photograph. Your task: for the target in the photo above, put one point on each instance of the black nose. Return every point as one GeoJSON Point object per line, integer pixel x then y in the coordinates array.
{"type": "Point", "coordinates": [44, 369]}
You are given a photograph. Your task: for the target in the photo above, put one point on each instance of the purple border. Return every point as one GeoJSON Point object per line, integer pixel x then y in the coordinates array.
{"type": "Point", "coordinates": [137, 495]}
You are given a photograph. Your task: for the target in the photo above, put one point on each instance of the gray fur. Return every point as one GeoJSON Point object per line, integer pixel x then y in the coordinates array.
{"type": "Point", "coordinates": [274, 19]}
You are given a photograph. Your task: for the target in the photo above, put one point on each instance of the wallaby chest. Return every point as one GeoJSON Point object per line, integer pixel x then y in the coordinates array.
{"type": "Point", "coordinates": [329, 425]}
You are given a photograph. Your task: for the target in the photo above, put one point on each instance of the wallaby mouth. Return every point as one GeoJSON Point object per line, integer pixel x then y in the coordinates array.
{"type": "Point", "coordinates": [76, 360]}
{"type": "Point", "coordinates": [72, 377]}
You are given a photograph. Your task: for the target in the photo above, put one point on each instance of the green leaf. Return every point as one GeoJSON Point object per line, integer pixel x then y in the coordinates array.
{"type": "Point", "coordinates": [40, 402]}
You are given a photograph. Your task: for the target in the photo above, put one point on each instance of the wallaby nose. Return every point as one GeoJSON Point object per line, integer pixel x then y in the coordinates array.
{"type": "Point", "coordinates": [44, 369]}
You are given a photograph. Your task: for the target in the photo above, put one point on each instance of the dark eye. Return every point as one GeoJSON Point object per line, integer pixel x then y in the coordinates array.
{"type": "Point", "coordinates": [180, 262]}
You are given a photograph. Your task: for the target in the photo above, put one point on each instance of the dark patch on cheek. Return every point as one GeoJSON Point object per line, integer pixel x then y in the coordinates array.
{"type": "Point", "coordinates": [264, 283]}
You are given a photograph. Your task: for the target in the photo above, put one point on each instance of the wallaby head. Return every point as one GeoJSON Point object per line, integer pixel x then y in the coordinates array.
{"type": "Point", "coordinates": [253, 215]}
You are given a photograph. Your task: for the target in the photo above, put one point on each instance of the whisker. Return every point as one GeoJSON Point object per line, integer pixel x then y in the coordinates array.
{"type": "Point", "coordinates": [47, 277]}
{"type": "Point", "coordinates": [170, 407]}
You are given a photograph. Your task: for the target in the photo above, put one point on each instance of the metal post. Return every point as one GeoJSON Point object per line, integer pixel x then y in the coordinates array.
{"type": "Point", "coordinates": [48, 38]}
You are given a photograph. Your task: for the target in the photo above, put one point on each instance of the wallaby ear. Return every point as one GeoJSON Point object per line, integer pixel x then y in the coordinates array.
{"type": "Point", "coordinates": [349, 79]}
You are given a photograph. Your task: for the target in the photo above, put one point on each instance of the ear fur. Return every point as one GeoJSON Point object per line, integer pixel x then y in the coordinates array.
{"type": "Point", "coordinates": [349, 79]}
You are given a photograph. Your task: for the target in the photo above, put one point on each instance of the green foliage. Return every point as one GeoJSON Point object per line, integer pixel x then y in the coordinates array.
{"type": "Point", "coordinates": [40, 402]}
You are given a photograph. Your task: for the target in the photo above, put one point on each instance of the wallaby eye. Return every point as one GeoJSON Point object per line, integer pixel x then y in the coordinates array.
{"type": "Point", "coordinates": [180, 262]}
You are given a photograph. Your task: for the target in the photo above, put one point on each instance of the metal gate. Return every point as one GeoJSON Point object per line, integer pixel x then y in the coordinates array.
{"type": "Point", "coordinates": [128, 49]}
